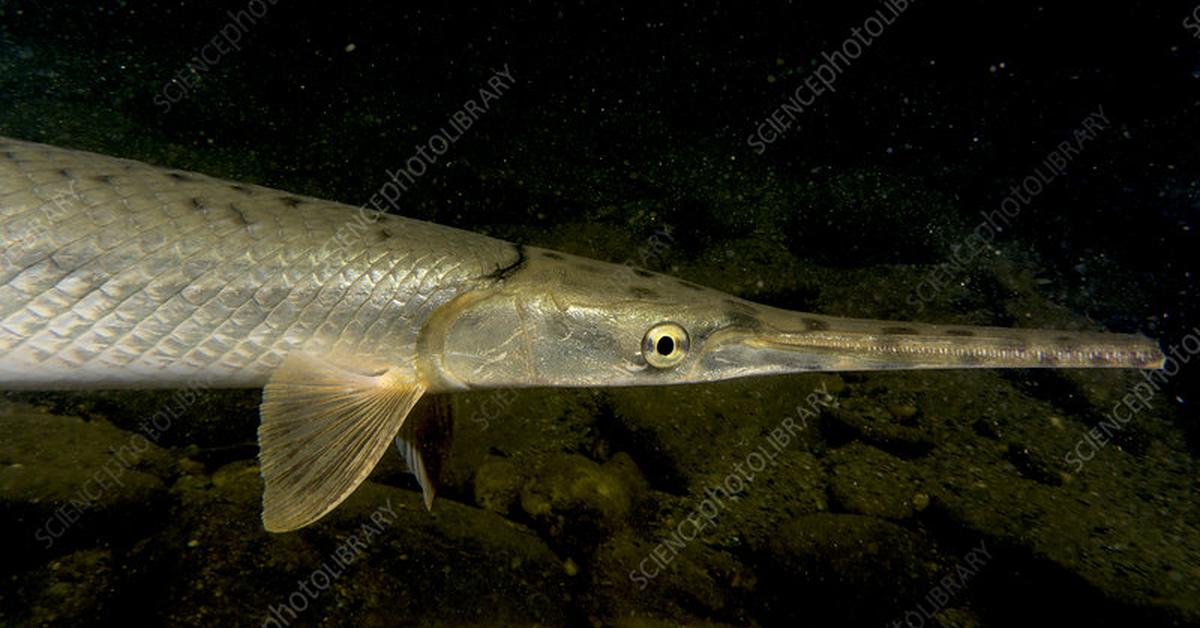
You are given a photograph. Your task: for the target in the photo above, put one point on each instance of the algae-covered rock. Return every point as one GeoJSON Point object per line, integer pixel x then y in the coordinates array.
{"type": "Point", "coordinates": [996, 465]}
{"type": "Point", "coordinates": [379, 557]}
{"type": "Point", "coordinates": [684, 436]}
{"type": "Point", "coordinates": [864, 417]}
{"type": "Point", "coordinates": [867, 481]}
{"type": "Point", "coordinates": [635, 579]}
{"type": "Point", "coordinates": [848, 568]}
{"type": "Point", "coordinates": [75, 589]}
{"type": "Point", "coordinates": [498, 485]}
{"type": "Point", "coordinates": [192, 415]}
{"type": "Point", "coordinates": [66, 480]}
{"type": "Point", "coordinates": [575, 499]}
{"type": "Point", "coordinates": [523, 427]}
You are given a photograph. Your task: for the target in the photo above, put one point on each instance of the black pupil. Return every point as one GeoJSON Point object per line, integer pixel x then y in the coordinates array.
{"type": "Point", "coordinates": [665, 345]}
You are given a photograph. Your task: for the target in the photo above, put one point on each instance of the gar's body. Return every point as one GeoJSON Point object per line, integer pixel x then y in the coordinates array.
{"type": "Point", "coordinates": [119, 274]}
{"type": "Point", "coordinates": [115, 273]}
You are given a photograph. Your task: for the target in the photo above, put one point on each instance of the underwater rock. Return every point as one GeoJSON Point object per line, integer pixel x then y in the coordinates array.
{"type": "Point", "coordinates": [498, 485]}
{"type": "Point", "coordinates": [193, 415]}
{"type": "Point", "coordinates": [65, 481]}
{"type": "Point", "coordinates": [863, 417]}
{"type": "Point", "coordinates": [629, 584]}
{"type": "Point", "coordinates": [867, 481]}
{"type": "Point", "coordinates": [737, 267]}
{"type": "Point", "coordinates": [74, 589]}
{"type": "Point", "coordinates": [524, 426]}
{"type": "Point", "coordinates": [1127, 564]}
{"type": "Point", "coordinates": [577, 501]}
{"type": "Point", "coordinates": [842, 568]}
{"type": "Point", "coordinates": [686, 437]}
{"type": "Point", "coordinates": [377, 559]}
{"type": "Point", "coordinates": [1109, 538]}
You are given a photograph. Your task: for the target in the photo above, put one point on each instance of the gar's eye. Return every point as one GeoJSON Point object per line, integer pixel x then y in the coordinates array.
{"type": "Point", "coordinates": [665, 345]}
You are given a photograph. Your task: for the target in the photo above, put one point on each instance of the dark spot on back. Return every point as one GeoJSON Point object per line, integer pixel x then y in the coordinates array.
{"type": "Point", "coordinates": [290, 201]}
{"type": "Point", "coordinates": [588, 268]}
{"type": "Point", "coordinates": [899, 331]}
{"type": "Point", "coordinates": [744, 321]}
{"type": "Point", "coordinates": [240, 188]}
{"type": "Point", "coordinates": [959, 332]}
{"type": "Point", "coordinates": [642, 273]}
{"type": "Point", "coordinates": [639, 292]}
{"type": "Point", "coordinates": [106, 179]}
{"type": "Point", "coordinates": [64, 173]}
{"type": "Point", "coordinates": [551, 255]}
{"type": "Point", "coordinates": [179, 176]}
{"type": "Point", "coordinates": [740, 306]}
{"type": "Point", "coordinates": [238, 214]}
{"type": "Point", "coordinates": [1064, 340]}
{"type": "Point", "coordinates": [689, 285]}
{"type": "Point", "coordinates": [198, 204]}
{"type": "Point", "coordinates": [815, 324]}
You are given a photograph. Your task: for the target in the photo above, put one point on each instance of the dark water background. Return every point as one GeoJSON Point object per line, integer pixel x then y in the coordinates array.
{"type": "Point", "coordinates": [624, 124]}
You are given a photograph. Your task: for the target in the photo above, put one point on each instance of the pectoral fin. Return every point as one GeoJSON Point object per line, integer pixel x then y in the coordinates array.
{"type": "Point", "coordinates": [323, 430]}
{"type": "Point", "coordinates": [424, 441]}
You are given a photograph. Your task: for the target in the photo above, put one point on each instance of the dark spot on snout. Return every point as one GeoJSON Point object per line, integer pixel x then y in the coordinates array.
{"type": "Point", "coordinates": [899, 331]}
{"type": "Point", "coordinates": [198, 203]}
{"type": "Point", "coordinates": [241, 188]}
{"type": "Point", "coordinates": [1064, 340]}
{"type": "Point", "coordinates": [970, 359]}
{"type": "Point", "coordinates": [815, 324]}
{"type": "Point", "coordinates": [743, 321]}
{"type": "Point", "coordinates": [588, 268]}
{"type": "Point", "coordinates": [689, 285]}
{"type": "Point", "coordinates": [959, 332]}
{"type": "Point", "coordinates": [179, 176]}
{"type": "Point", "coordinates": [741, 306]}
{"type": "Point", "coordinates": [291, 201]}
{"type": "Point", "coordinates": [551, 255]}
{"type": "Point", "coordinates": [106, 179]}
{"type": "Point", "coordinates": [64, 173]}
{"type": "Point", "coordinates": [639, 292]}
{"type": "Point", "coordinates": [642, 273]}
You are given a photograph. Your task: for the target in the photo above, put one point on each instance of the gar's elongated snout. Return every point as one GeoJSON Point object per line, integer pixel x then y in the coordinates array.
{"type": "Point", "coordinates": [561, 320]}
{"type": "Point", "coordinates": [782, 342]}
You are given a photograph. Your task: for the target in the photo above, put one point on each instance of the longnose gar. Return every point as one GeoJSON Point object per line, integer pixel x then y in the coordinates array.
{"type": "Point", "coordinates": [120, 274]}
